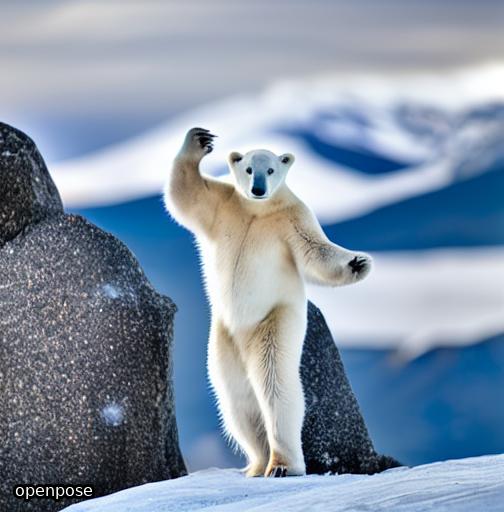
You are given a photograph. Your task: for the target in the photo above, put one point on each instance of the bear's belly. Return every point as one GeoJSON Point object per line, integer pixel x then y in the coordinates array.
{"type": "Point", "coordinates": [246, 281]}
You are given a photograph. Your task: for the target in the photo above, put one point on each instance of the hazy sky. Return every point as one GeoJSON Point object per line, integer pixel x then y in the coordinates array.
{"type": "Point", "coordinates": [111, 68]}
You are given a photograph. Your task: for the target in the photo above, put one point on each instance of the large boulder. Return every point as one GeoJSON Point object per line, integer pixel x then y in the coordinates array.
{"type": "Point", "coordinates": [86, 394]}
{"type": "Point", "coordinates": [335, 437]}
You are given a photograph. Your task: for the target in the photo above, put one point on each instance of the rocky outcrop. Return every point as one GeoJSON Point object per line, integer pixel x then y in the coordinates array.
{"type": "Point", "coordinates": [86, 394]}
{"type": "Point", "coordinates": [335, 437]}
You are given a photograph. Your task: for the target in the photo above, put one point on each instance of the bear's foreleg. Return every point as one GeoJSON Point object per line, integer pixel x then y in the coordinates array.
{"type": "Point", "coordinates": [238, 406]}
{"type": "Point", "coordinates": [335, 266]}
{"type": "Point", "coordinates": [322, 261]}
{"type": "Point", "coordinates": [191, 198]}
{"type": "Point", "coordinates": [272, 357]}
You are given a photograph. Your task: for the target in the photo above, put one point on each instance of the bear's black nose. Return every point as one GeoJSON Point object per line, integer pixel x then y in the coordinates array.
{"type": "Point", "coordinates": [259, 192]}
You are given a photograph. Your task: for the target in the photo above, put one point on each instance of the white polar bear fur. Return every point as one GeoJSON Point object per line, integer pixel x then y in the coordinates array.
{"type": "Point", "coordinates": [257, 253]}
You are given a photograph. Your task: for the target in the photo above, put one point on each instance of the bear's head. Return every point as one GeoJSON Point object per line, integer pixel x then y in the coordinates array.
{"type": "Point", "coordinates": [259, 174]}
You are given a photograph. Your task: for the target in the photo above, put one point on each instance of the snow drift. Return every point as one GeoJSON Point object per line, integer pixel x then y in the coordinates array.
{"type": "Point", "coordinates": [475, 484]}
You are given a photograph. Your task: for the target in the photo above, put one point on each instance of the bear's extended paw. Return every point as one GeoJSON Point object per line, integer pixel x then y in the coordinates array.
{"type": "Point", "coordinates": [198, 143]}
{"type": "Point", "coordinates": [359, 266]}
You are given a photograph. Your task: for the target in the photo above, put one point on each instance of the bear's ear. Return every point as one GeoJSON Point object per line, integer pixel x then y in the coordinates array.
{"type": "Point", "coordinates": [287, 159]}
{"type": "Point", "coordinates": [234, 157]}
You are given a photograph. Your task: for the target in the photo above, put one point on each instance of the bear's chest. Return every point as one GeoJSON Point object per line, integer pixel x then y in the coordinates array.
{"type": "Point", "coordinates": [248, 266]}
{"type": "Point", "coordinates": [250, 248]}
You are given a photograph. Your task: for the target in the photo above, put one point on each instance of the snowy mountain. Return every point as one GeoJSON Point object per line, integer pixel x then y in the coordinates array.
{"type": "Point", "coordinates": [417, 167]}
{"type": "Point", "coordinates": [408, 168]}
{"type": "Point", "coordinates": [460, 485]}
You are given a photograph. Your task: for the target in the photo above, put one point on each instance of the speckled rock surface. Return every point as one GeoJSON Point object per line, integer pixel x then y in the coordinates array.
{"type": "Point", "coordinates": [27, 192]}
{"type": "Point", "coordinates": [335, 437]}
{"type": "Point", "coordinates": [86, 392]}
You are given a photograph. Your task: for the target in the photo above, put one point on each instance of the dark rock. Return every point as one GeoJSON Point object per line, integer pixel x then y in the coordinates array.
{"type": "Point", "coordinates": [86, 392]}
{"type": "Point", "coordinates": [335, 437]}
{"type": "Point", "coordinates": [27, 192]}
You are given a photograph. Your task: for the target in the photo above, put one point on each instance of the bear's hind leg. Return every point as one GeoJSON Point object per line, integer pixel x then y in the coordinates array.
{"type": "Point", "coordinates": [238, 406]}
{"type": "Point", "coordinates": [273, 358]}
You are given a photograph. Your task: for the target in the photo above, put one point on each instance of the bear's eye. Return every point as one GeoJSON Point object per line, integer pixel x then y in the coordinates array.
{"type": "Point", "coordinates": [270, 171]}
{"type": "Point", "coordinates": [249, 170]}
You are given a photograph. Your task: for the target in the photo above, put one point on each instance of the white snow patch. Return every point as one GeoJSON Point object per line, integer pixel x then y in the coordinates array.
{"type": "Point", "coordinates": [457, 485]}
{"type": "Point", "coordinates": [111, 291]}
{"type": "Point", "coordinates": [113, 414]}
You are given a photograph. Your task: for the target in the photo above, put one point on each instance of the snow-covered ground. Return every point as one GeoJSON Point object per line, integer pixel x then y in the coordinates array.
{"type": "Point", "coordinates": [472, 485]}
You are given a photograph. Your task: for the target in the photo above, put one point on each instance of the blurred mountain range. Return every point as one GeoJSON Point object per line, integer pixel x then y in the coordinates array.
{"type": "Point", "coordinates": [411, 170]}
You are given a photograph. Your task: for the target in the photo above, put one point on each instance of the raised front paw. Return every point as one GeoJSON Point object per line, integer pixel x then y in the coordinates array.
{"type": "Point", "coordinates": [359, 266]}
{"type": "Point", "coordinates": [198, 143]}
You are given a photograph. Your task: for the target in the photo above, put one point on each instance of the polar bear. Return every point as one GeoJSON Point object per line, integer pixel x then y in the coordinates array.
{"type": "Point", "coordinates": [259, 244]}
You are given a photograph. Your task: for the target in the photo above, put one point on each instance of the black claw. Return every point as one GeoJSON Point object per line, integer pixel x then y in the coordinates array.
{"type": "Point", "coordinates": [278, 472]}
{"type": "Point", "coordinates": [205, 139]}
{"type": "Point", "coordinates": [357, 264]}
{"type": "Point", "coordinates": [204, 134]}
